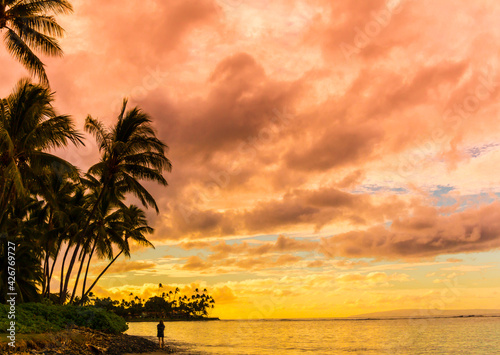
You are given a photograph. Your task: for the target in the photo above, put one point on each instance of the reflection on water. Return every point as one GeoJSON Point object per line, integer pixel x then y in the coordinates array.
{"type": "Point", "coordinates": [401, 336]}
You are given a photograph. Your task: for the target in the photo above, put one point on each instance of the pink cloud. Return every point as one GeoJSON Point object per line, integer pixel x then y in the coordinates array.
{"type": "Point", "coordinates": [425, 234]}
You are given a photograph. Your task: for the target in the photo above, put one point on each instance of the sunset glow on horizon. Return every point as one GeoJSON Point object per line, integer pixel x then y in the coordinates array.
{"type": "Point", "coordinates": [330, 158]}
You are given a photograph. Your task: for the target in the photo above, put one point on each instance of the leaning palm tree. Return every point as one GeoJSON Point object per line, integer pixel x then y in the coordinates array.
{"type": "Point", "coordinates": [134, 226]}
{"type": "Point", "coordinates": [29, 25]}
{"type": "Point", "coordinates": [105, 229]}
{"type": "Point", "coordinates": [104, 232]}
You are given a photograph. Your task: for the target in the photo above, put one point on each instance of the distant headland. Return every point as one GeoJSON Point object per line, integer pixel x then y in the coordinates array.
{"type": "Point", "coordinates": [430, 313]}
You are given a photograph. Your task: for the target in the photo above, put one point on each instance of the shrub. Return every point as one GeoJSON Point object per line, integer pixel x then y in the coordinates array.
{"type": "Point", "coordinates": [40, 318]}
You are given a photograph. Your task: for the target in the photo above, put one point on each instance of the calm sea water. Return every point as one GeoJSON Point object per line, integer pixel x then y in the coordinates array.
{"type": "Point", "coordinates": [289, 337]}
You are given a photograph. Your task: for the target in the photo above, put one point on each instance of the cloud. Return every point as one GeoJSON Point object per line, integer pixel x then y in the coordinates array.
{"type": "Point", "coordinates": [195, 263]}
{"type": "Point", "coordinates": [372, 277]}
{"type": "Point", "coordinates": [422, 235]}
{"type": "Point", "coordinates": [283, 244]}
{"type": "Point", "coordinates": [454, 260]}
{"type": "Point", "coordinates": [224, 295]}
{"type": "Point", "coordinates": [468, 268]}
{"type": "Point", "coordinates": [231, 264]}
{"type": "Point", "coordinates": [166, 27]}
{"type": "Point", "coordinates": [120, 267]}
{"type": "Point", "coordinates": [310, 208]}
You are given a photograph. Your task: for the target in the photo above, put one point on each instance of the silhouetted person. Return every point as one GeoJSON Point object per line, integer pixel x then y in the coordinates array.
{"type": "Point", "coordinates": [160, 334]}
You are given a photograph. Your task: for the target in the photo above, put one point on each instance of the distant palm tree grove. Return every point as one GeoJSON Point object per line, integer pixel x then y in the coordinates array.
{"type": "Point", "coordinates": [62, 219]}
{"type": "Point", "coordinates": [171, 305]}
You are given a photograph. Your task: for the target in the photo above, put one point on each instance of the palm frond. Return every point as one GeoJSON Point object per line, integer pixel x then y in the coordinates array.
{"type": "Point", "coordinates": [146, 173]}
{"type": "Point", "coordinates": [39, 6]}
{"type": "Point", "coordinates": [20, 50]}
{"type": "Point", "coordinates": [97, 129]}
{"type": "Point", "coordinates": [56, 132]}
{"type": "Point", "coordinates": [40, 41]}
{"type": "Point", "coordinates": [30, 26]}
{"type": "Point", "coordinates": [133, 186]}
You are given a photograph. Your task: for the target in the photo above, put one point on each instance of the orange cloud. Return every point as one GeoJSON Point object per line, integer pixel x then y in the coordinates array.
{"type": "Point", "coordinates": [422, 235]}
{"type": "Point", "coordinates": [373, 277]}
{"type": "Point", "coordinates": [313, 208]}
{"type": "Point", "coordinates": [120, 267]}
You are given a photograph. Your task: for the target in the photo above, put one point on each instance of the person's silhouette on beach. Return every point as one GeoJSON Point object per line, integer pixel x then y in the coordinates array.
{"type": "Point", "coordinates": [160, 334]}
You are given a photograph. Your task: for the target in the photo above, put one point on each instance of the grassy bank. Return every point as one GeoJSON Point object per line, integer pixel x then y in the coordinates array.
{"type": "Point", "coordinates": [82, 341]}
{"type": "Point", "coordinates": [42, 318]}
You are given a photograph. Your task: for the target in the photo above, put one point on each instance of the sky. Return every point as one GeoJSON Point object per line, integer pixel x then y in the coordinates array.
{"type": "Point", "coordinates": [330, 158]}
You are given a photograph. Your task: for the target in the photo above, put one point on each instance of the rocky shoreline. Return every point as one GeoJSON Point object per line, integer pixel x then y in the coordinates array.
{"type": "Point", "coordinates": [84, 341]}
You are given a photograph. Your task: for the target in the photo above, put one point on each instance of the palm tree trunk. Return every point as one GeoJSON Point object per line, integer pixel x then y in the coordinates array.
{"type": "Point", "coordinates": [56, 255]}
{"type": "Point", "coordinates": [102, 273]}
{"type": "Point", "coordinates": [62, 274]}
{"type": "Point", "coordinates": [45, 272]}
{"type": "Point", "coordinates": [47, 254]}
{"type": "Point", "coordinates": [82, 258]}
{"type": "Point", "coordinates": [87, 271]}
{"type": "Point", "coordinates": [70, 269]}
{"type": "Point", "coordinates": [82, 232]}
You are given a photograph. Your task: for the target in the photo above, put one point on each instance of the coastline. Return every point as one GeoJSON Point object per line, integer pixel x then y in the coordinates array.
{"type": "Point", "coordinates": [85, 341]}
{"type": "Point", "coordinates": [168, 320]}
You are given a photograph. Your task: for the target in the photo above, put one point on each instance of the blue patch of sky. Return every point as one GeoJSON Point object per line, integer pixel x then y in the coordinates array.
{"type": "Point", "coordinates": [399, 190]}
{"type": "Point", "coordinates": [442, 190]}
{"type": "Point", "coordinates": [476, 199]}
{"type": "Point", "coordinates": [373, 188]}
{"type": "Point", "coordinates": [308, 255]}
{"type": "Point", "coordinates": [262, 237]}
{"type": "Point", "coordinates": [441, 193]}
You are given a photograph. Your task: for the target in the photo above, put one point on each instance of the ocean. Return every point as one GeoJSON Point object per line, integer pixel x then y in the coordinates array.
{"type": "Point", "coordinates": [475, 335]}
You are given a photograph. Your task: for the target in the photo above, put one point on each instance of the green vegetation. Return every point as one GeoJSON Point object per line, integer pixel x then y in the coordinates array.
{"type": "Point", "coordinates": [41, 317]}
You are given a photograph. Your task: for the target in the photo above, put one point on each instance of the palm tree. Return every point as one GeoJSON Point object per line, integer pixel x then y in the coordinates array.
{"type": "Point", "coordinates": [29, 126]}
{"type": "Point", "coordinates": [76, 210]}
{"type": "Point", "coordinates": [130, 151]}
{"type": "Point", "coordinates": [106, 230]}
{"type": "Point", "coordinates": [134, 228]}
{"type": "Point", "coordinates": [29, 25]}
{"type": "Point", "coordinates": [60, 194]}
